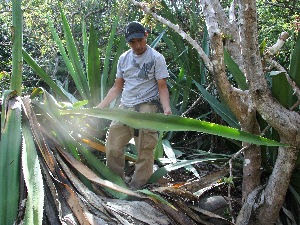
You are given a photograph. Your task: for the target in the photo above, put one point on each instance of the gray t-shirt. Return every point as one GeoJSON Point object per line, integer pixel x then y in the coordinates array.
{"type": "Point", "coordinates": [141, 73]}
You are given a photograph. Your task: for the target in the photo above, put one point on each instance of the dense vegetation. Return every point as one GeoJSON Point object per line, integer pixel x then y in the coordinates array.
{"type": "Point", "coordinates": [70, 51]}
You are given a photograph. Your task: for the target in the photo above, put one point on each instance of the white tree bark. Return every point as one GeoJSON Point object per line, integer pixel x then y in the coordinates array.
{"type": "Point", "coordinates": [239, 101]}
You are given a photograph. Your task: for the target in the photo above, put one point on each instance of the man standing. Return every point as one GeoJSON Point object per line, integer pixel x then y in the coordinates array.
{"type": "Point", "coordinates": [141, 78]}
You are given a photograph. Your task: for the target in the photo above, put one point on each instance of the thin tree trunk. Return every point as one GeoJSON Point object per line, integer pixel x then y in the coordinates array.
{"type": "Point", "coordinates": [237, 100]}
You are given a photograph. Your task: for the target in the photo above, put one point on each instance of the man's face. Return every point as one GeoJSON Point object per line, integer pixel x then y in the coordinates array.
{"type": "Point", "coordinates": [138, 45]}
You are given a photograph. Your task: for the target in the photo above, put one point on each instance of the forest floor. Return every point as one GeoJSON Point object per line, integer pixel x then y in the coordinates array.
{"type": "Point", "coordinates": [215, 201]}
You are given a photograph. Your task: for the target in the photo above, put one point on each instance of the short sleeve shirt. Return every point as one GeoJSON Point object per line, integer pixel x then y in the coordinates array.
{"type": "Point", "coordinates": [140, 73]}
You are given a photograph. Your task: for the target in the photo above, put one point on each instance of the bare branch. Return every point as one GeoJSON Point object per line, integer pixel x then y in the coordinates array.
{"type": "Point", "coordinates": [273, 64]}
{"type": "Point", "coordinates": [280, 42]}
{"type": "Point", "coordinates": [177, 29]}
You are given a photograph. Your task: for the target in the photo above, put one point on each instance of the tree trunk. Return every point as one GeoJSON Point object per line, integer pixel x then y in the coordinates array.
{"type": "Point", "coordinates": [283, 120]}
{"type": "Point", "coordinates": [237, 100]}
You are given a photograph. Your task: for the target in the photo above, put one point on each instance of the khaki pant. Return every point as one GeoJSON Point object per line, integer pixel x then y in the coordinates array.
{"type": "Point", "coordinates": [118, 137]}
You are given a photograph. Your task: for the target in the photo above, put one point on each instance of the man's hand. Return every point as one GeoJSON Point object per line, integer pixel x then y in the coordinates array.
{"type": "Point", "coordinates": [167, 111]}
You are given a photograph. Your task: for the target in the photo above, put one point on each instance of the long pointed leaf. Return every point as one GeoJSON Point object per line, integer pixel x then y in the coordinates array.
{"type": "Point", "coordinates": [93, 66]}
{"type": "Point", "coordinates": [64, 54]}
{"type": "Point", "coordinates": [85, 44]}
{"type": "Point", "coordinates": [218, 107]}
{"type": "Point", "coordinates": [157, 40]}
{"type": "Point", "coordinates": [113, 67]}
{"type": "Point", "coordinates": [104, 77]}
{"type": "Point", "coordinates": [206, 48]}
{"type": "Point", "coordinates": [156, 197]}
{"type": "Point", "coordinates": [74, 57]}
{"type": "Point", "coordinates": [172, 123]}
{"type": "Point", "coordinates": [235, 71]}
{"type": "Point", "coordinates": [33, 179]}
{"type": "Point", "coordinates": [17, 40]}
{"type": "Point", "coordinates": [10, 151]}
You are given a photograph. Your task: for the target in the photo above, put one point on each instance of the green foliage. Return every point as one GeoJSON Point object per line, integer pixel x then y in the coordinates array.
{"type": "Point", "coordinates": [5, 48]}
{"type": "Point", "coordinates": [10, 142]}
{"type": "Point", "coordinates": [274, 17]}
{"type": "Point", "coordinates": [93, 66]}
{"type": "Point", "coordinates": [17, 39]}
{"type": "Point", "coordinates": [162, 122]}
{"type": "Point", "coordinates": [228, 180]}
{"type": "Point", "coordinates": [38, 70]}
{"type": "Point", "coordinates": [33, 178]}
{"type": "Point", "coordinates": [184, 63]}
{"type": "Point", "coordinates": [10, 150]}
{"type": "Point", "coordinates": [294, 67]}
{"type": "Point", "coordinates": [108, 54]}
{"type": "Point", "coordinates": [78, 75]}
{"type": "Point", "coordinates": [73, 57]}
{"type": "Point", "coordinates": [233, 68]}
{"type": "Point", "coordinates": [221, 109]}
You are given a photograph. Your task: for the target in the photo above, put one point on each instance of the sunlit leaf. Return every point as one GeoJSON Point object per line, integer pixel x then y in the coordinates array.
{"type": "Point", "coordinates": [162, 122]}
{"type": "Point", "coordinates": [157, 40]}
{"type": "Point", "coordinates": [33, 179]}
{"type": "Point", "coordinates": [75, 59]}
{"type": "Point", "coordinates": [169, 151]}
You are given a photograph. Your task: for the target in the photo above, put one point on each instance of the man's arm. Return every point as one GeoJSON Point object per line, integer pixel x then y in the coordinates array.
{"type": "Point", "coordinates": [164, 96]}
{"type": "Point", "coordinates": [113, 93]}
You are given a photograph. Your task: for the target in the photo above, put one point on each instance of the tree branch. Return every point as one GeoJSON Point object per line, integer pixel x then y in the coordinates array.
{"type": "Point", "coordinates": [176, 28]}
{"type": "Point", "coordinates": [273, 50]}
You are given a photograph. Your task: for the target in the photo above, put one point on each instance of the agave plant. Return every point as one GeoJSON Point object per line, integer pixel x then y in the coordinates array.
{"type": "Point", "coordinates": [46, 144]}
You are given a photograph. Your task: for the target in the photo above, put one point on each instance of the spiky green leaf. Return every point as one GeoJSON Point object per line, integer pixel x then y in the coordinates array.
{"type": "Point", "coordinates": [33, 179]}
{"type": "Point", "coordinates": [235, 71]}
{"type": "Point", "coordinates": [93, 66]}
{"type": "Point", "coordinates": [162, 122]}
{"type": "Point", "coordinates": [218, 107]}
{"type": "Point", "coordinates": [104, 76]}
{"type": "Point", "coordinates": [10, 151]}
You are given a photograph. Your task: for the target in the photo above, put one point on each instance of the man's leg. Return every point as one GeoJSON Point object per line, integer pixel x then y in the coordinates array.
{"type": "Point", "coordinates": [145, 143]}
{"type": "Point", "coordinates": [118, 137]}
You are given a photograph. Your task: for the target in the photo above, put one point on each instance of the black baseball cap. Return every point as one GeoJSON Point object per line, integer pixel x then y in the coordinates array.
{"type": "Point", "coordinates": [134, 30]}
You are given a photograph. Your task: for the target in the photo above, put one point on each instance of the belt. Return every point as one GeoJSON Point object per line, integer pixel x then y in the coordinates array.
{"type": "Point", "coordinates": [137, 107]}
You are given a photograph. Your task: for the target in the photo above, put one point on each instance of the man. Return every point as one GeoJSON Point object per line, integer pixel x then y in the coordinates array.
{"type": "Point", "coordinates": [141, 78]}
